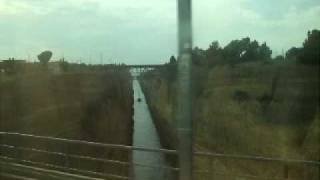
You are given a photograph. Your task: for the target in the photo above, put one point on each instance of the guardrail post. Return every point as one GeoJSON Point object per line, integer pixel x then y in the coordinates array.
{"type": "Point", "coordinates": [184, 98]}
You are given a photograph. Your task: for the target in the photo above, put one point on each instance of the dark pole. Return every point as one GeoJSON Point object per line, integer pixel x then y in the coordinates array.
{"type": "Point", "coordinates": [184, 100]}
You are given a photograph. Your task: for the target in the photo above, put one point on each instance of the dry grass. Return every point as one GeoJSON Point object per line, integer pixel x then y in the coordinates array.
{"type": "Point", "coordinates": [87, 105]}
{"type": "Point", "coordinates": [284, 126]}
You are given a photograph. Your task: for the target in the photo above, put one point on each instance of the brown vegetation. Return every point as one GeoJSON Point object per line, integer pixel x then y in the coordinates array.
{"type": "Point", "coordinates": [85, 105]}
{"type": "Point", "coordinates": [253, 109]}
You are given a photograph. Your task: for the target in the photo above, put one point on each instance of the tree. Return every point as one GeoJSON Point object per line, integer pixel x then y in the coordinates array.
{"type": "Point", "coordinates": [214, 48]}
{"type": "Point", "coordinates": [214, 54]}
{"type": "Point", "coordinates": [45, 57]}
{"type": "Point", "coordinates": [198, 56]}
{"type": "Point", "coordinates": [173, 60]}
{"type": "Point", "coordinates": [245, 50]}
{"type": "Point", "coordinates": [170, 69]}
{"type": "Point", "coordinates": [232, 52]}
{"type": "Point", "coordinates": [265, 52]}
{"type": "Point", "coordinates": [310, 53]}
{"type": "Point", "coordinates": [279, 58]}
{"type": "Point", "coordinates": [293, 53]}
{"type": "Point", "coordinates": [251, 52]}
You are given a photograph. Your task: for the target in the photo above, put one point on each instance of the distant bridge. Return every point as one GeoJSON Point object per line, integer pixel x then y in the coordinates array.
{"type": "Point", "coordinates": [144, 66]}
{"type": "Point", "coordinates": [139, 68]}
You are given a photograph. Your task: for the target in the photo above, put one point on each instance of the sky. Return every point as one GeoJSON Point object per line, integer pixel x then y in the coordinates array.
{"type": "Point", "coordinates": [145, 31]}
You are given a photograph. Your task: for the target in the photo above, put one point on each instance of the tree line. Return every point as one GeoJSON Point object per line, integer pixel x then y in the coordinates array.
{"type": "Point", "coordinates": [248, 50]}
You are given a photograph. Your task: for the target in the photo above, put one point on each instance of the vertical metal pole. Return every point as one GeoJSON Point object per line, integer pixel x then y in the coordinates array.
{"type": "Point", "coordinates": [184, 107]}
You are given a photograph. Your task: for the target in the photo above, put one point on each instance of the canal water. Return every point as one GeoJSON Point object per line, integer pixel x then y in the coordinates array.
{"type": "Point", "coordinates": [145, 135]}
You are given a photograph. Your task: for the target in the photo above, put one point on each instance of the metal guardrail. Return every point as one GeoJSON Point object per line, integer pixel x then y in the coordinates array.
{"type": "Point", "coordinates": [33, 169]}
{"type": "Point", "coordinates": [112, 146]}
{"type": "Point", "coordinates": [283, 162]}
{"type": "Point", "coordinates": [68, 156]}
{"type": "Point", "coordinates": [257, 158]}
{"type": "Point", "coordinates": [207, 155]}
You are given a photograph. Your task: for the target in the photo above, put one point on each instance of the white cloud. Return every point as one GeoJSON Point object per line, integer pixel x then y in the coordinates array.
{"type": "Point", "coordinates": [139, 31]}
{"type": "Point", "coordinates": [128, 30]}
{"type": "Point", "coordinates": [231, 19]}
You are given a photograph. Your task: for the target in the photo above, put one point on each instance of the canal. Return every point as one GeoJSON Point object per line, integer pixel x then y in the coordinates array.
{"type": "Point", "coordinates": [145, 135]}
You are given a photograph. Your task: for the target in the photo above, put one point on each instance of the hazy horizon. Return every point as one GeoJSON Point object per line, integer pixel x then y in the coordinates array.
{"type": "Point", "coordinates": [145, 31]}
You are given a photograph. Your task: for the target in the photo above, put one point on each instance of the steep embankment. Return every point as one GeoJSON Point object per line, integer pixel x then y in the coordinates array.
{"type": "Point", "coordinates": [88, 105]}
{"type": "Point", "coordinates": [253, 109]}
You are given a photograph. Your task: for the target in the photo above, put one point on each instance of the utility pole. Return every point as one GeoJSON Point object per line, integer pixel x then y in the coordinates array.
{"type": "Point", "coordinates": [184, 98]}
